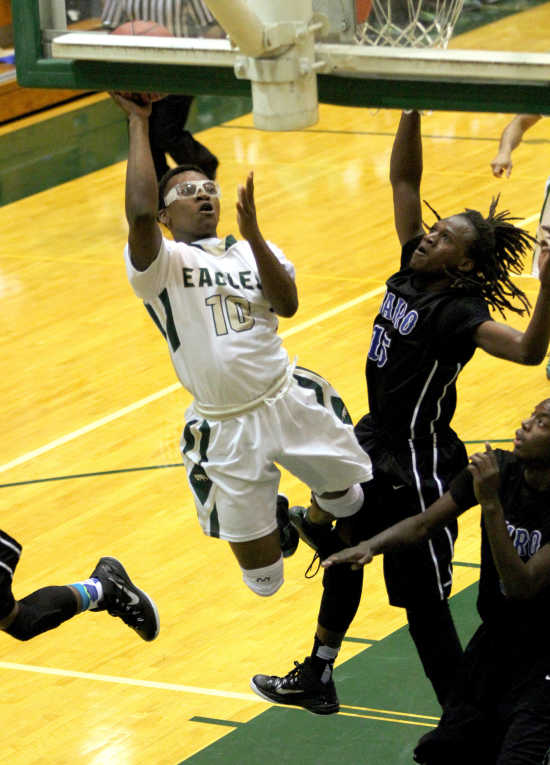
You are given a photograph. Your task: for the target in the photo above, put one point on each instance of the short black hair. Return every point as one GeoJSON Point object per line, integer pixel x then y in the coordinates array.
{"type": "Point", "coordinates": [170, 174]}
{"type": "Point", "coordinates": [497, 252]}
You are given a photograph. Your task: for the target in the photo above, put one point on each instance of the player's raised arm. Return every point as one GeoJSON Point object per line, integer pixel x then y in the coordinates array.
{"type": "Point", "coordinates": [511, 138]}
{"type": "Point", "coordinates": [528, 347]}
{"type": "Point", "coordinates": [144, 235]}
{"type": "Point", "coordinates": [277, 284]}
{"type": "Point", "coordinates": [405, 177]}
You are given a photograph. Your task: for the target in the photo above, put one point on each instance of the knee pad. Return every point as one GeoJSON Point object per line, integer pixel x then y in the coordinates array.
{"type": "Point", "coordinates": [264, 581]}
{"type": "Point", "coordinates": [343, 507]}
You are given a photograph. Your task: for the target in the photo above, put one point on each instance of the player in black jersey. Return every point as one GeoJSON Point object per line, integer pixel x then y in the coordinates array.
{"type": "Point", "coordinates": [435, 313]}
{"type": "Point", "coordinates": [109, 588]}
{"type": "Point", "coordinates": [498, 710]}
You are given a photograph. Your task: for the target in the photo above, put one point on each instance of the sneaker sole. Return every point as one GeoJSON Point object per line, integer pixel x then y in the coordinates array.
{"type": "Point", "coordinates": [327, 709]}
{"type": "Point", "coordinates": [296, 521]}
{"type": "Point", "coordinates": [121, 571]}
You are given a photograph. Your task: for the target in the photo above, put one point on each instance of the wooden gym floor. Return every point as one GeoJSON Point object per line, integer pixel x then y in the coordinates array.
{"type": "Point", "coordinates": [90, 466]}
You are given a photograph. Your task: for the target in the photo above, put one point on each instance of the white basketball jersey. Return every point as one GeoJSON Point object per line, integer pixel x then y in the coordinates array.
{"type": "Point", "coordinates": [220, 329]}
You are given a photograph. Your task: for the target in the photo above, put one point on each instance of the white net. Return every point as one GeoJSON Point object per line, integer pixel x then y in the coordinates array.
{"type": "Point", "coordinates": [409, 23]}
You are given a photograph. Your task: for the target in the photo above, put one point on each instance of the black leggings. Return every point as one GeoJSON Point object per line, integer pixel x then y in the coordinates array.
{"type": "Point", "coordinates": [436, 640]}
{"type": "Point", "coordinates": [431, 625]}
{"type": "Point", "coordinates": [43, 610]}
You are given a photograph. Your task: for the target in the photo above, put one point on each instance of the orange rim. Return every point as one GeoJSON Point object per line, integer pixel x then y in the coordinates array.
{"type": "Point", "coordinates": [362, 10]}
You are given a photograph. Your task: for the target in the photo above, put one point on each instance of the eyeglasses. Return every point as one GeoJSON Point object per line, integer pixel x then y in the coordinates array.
{"type": "Point", "coordinates": [190, 189]}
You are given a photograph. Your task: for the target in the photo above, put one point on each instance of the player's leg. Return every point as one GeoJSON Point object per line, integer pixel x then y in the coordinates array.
{"type": "Point", "coordinates": [235, 488]}
{"type": "Point", "coordinates": [314, 523]}
{"type": "Point", "coordinates": [433, 631]}
{"type": "Point", "coordinates": [247, 516]}
{"type": "Point", "coordinates": [167, 132]}
{"type": "Point", "coordinates": [469, 730]}
{"type": "Point", "coordinates": [261, 562]}
{"type": "Point", "coordinates": [109, 588]}
{"type": "Point", "coordinates": [332, 452]}
{"type": "Point", "coordinates": [190, 151]}
{"type": "Point", "coordinates": [310, 684]}
{"type": "Point", "coordinates": [526, 740]}
{"type": "Point", "coordinates": [324, 453]}
{"type": "Point", "coordinates": [419, 579]}
{"type": "Point", "coordinates": [43, 610]}
{"type": "Point", "coordinates": [166, 125]}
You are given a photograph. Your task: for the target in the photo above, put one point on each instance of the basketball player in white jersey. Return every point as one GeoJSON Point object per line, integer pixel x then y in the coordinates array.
{"type": "Point", "coordinates": [216, 301]}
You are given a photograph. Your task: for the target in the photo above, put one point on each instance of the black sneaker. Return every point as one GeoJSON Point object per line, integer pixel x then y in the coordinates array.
{"type": "Point", "coordinates": [122, 598]}
{"type": "Point", "coordinates": [10, 552]}
{"type": "Point", "coordinates": [300, 688]}
{"type": "Point", "coordinates": [288, 535]}
{"type": "Point", "coordinates": [316, 535]}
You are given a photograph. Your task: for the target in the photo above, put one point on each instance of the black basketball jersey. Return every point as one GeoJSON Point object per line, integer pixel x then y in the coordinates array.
{"type": "Point", "coordinates": [420, 342]}
{"type": "Point", "coordinates": [527, 515]}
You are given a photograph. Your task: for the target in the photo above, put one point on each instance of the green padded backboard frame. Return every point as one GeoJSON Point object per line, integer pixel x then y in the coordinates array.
{"type": "Point", "coordinates": [35, 71]}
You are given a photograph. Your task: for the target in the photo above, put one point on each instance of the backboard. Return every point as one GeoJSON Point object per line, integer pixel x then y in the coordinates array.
{"type": "Point", "coordinates": [486, 66]}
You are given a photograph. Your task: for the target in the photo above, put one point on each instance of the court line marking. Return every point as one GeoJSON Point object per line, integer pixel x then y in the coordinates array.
{"type": "Point", "coordinates": [377, 133]}
{"type": "Point", "coordinates": [202, 691]}
{"type": "Point", "coordinates": [389, 719]}
{"type": "Point", "coordinates": [216, 721]}
{"type": "Point", "coordinates": [129, 681]}
{"type": "Point", "coordinates": [378, 714]}
{"type": "Point", "coordinates": [118, 471]}
{"type": "Point", "coordinates": [351, 709]}
{"type": "Point", "coordinates": [530, 219]}
{"type": "Point", "coordinates": [177, 386]}
{"type": "Point", "coordinates": [91, 426]}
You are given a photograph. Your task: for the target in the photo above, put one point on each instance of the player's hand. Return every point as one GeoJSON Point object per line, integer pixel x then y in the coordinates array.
{"type": "Point", "coordinates": [502, 164]}
{"type": "Point", "coordinates": [246, 210]}
{"type": "Point", "coordinates": [138, 104]}
{"type": "Point", "coordinates": [543, 238]}
{"type": "Point", "coordinates": [358, 556]}
{"type": "Point", "coordinates": [484, 468]}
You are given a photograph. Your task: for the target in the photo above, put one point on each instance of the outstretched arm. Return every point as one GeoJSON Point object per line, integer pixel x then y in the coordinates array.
{"type": "Point", "coordinates": [144, 235]}
{"type": "Point", "coordinates": [277, 284]}
{"type": "Point", "coordinates": [521, 580]}
{"type": "Point", "coordinates": [405, 177]}
{"type": "Point", "coordinates": [509, 140]}
{"type": "Point", "coordinates": [407, 532]}
{"type": "Point", "coordinates": [527, 347]}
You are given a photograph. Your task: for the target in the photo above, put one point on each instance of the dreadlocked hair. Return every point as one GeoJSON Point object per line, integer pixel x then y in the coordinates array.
{"type": "Point", "coordinates": [497, 252]}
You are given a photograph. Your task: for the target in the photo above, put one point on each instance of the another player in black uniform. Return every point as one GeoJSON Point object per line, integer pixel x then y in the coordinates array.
{"type": "Point", "coordinates": [434, 315]}
{"type": "Point", "coordinates": [108, 588]}
{"type": "Point", "coordinates": [498, 710]}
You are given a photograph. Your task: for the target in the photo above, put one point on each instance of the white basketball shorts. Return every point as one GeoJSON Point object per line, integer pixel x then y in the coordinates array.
{"type": "Point", "coordinates": [232, 463]}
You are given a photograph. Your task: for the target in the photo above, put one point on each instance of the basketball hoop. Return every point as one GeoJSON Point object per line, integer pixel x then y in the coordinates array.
{"type": "Point", "coordinates": [406, 23]}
